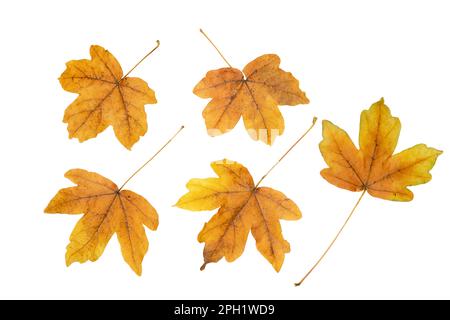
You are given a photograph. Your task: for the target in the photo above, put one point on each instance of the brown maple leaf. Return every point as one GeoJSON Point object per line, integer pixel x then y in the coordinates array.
{"type": "Point", "coordinates": [106, 97]}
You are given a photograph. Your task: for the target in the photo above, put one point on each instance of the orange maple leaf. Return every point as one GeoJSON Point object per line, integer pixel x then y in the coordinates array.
{"type": "Point", "coordinates": [374, 167]}
{"type": "Point", "coordinates": [244, 207]}
{"type": "Point", "coordinates": [107, 210]}
{"type": "Point", "coordinates": [254, 93]}
{"type": "Point", "coordinates": [106, 97]}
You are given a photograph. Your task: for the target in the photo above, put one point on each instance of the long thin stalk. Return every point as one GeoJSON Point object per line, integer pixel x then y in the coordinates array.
{"type": "Point", "coordinates": [151, 158]}
{"type": "Point", "coordinates": [332, 242]}
{"type": "Point", "coordinates": [140, 61]}
{"type": "Point", "coordinates": [286, 153]}
{"type": "Point", "coordinates": [215, 47]}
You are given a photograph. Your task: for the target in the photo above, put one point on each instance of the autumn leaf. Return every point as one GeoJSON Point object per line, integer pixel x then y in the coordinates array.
{"type": "Point", "coordinates": [243, 207]}
{"type": "Point", "coordinates": [107, 210]}
{"type": "Point", "coordinates": [374, 167]}
{"type": "Point", "coordinates": [254, 93]}
{"type": "Point", "coordinates": [106, 97]}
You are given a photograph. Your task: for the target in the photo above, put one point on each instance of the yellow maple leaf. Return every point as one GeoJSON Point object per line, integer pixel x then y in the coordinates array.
{"type": "Point", "coordinates": [244, 207]}
{"type": "Point", "coordinates": [374, 167]}
{"type": "Point", "coordinates": [106, 97]}
{"type": "Point", "coordinates": [107, 210]}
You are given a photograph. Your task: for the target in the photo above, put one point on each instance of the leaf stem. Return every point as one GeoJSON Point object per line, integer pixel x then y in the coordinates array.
{"type": "Point", "coordinates": [140, 61]}
{"type": "Point", "coordinates": [286, 153]}
{"type": "Point", "coordinates": [215, 47]}
{"type": "Point", "coordinates": [148, 161]}
{"type": "Point", "coordinates": [334, 240]}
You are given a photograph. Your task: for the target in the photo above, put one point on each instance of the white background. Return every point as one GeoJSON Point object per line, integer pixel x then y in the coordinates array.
{"type": "Point", "coordinates": [347, 54]}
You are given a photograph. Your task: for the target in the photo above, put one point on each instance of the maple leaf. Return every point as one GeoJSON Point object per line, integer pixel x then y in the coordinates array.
{"type": "Point", "coordinates": [107, 210]}
{"type": "Point", "coordinates": [243, 207]}
{"type": "Point", "coordinates": [374, 167]}
{"type": "Point", "coordinates": [106, 97]}
{"type": "Point", "coordinates": [253, 93]}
